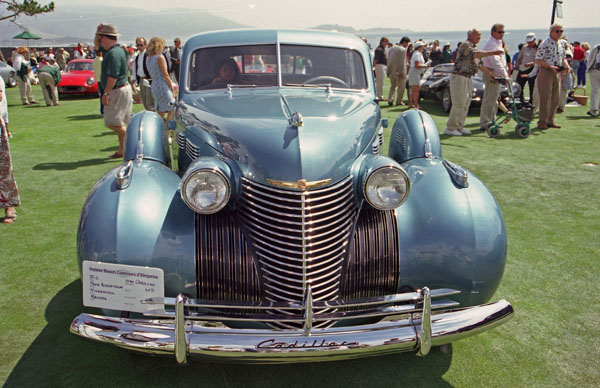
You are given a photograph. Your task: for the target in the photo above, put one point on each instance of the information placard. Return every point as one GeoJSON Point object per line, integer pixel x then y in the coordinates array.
{"type": "Point", "coordinates": [121, 287]}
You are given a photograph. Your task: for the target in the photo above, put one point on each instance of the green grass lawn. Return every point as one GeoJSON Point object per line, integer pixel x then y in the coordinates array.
{"type": "Point", "coordinates": [547, 185]}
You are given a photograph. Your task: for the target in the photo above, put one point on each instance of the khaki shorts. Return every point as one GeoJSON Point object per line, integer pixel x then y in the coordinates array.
{"type": "Point", "coordinates": [118, 111]}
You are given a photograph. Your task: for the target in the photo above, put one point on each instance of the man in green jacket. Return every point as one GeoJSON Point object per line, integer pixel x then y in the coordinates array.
{"type": "Point", "coordinates": [49, 77]}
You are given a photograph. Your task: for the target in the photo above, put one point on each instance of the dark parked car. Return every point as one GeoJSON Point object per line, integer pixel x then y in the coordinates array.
{"type": "Point", "coordinates": [435, 84]}
{"type": "Point", "coordinates": [278, 232]}
{"type": "Point", "coordinates": [8, 74]}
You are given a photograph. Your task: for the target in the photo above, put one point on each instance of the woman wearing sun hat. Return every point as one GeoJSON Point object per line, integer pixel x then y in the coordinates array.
{"type": "Point", "coordinates": [417, 68]}
{"type": "Point", "coordinates": [22, 66]}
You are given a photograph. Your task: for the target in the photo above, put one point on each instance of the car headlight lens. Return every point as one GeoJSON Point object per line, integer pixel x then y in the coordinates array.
{"type": "Point", "coordinates": [387, 188]}
{"type": "Point", "coordinates": [90, 81]}
{"type": "Point", "coordinates": [206, 191]}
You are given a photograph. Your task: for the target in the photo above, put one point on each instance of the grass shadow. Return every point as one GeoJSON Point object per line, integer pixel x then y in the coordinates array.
{"type": "Point", "coordinates": [62, 359]}
{"type": "Point", "coordinates": [64, 166]}
{"type": "Point", "coordinates": [105, 133]}
{"type": "Point", "coordinates": [82, 96]}
{"type": "Point", "coordinates": [85, 117]}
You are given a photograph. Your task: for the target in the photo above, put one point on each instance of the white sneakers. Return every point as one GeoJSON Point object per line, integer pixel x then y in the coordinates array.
{"type": "Point", "coordinates": [452, 133]}
{"type": "Point", "coordinates": [456, 132]}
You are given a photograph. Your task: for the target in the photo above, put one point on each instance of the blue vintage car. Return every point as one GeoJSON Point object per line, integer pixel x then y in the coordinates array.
{"type": "Point", "coordinates": [272, 230]}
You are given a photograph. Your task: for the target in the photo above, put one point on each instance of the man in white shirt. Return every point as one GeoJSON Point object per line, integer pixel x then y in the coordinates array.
{"type": "Point", "coordinates": [141, 76]}
{"type": "Point", "coordinates": [493, 66]}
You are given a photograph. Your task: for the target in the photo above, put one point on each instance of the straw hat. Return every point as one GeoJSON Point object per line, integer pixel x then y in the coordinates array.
{"type": "Point", "coordinates": [107, 29]}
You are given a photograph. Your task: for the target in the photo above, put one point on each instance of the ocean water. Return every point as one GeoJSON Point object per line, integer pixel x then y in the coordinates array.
{"type": "Point", "coordinates": [512, 37]}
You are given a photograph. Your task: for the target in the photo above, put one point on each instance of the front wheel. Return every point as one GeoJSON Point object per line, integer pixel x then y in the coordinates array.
{"type": "Point", "coordinates": [493, 131]}
{"type": "Point", "coordinates": [446, 100]}
{"type": "Point", "coordinates": [522, 130]}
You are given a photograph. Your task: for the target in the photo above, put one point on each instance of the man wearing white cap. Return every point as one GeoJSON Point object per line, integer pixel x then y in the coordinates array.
{"type": "Point", "coordinates": [525, 63]}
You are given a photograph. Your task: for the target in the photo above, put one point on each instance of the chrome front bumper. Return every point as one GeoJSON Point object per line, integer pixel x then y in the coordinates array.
{"type": "Point", "coordinates": [401, 330]}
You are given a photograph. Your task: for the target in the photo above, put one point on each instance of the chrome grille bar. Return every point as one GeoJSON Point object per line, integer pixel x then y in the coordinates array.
{"type": "Point", "coordinates": [294, 312]}
{"type": "Point", "coordinates": [299, 238]}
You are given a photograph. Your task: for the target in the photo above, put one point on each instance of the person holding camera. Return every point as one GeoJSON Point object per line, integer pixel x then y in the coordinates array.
{"type": "Point", "coordinates": [552, 62]}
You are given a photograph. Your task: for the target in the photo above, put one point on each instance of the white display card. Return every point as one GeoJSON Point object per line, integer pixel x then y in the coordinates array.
{"type": "Point", "coordinates": [121, 287]}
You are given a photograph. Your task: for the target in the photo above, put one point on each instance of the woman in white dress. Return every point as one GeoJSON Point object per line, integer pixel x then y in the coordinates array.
{"type": "Point", "coordinates": [417, 68]}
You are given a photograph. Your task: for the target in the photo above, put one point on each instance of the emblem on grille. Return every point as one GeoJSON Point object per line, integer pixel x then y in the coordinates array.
{"type": "Point", "coordinates": [301, 184]}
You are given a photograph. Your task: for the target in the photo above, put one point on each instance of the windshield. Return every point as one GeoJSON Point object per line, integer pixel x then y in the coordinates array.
{"type": "Point", "coordinates": [80, 66]}
{"type": "Point", "coordinates": [257, 65]}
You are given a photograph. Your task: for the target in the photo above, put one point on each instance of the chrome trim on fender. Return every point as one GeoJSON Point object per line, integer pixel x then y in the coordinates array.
{"type": "Point", "coordinates": [123, 176]}
{"type": "Point", "coordinates": [414, 332]}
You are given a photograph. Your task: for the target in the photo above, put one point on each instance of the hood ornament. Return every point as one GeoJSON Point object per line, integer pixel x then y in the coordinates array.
{"type": "Point", "coordinates": [296, 120]}
{"type": "Point", "coordinates": [301, 184]}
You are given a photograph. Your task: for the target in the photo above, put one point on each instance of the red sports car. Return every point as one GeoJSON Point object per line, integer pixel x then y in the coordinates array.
{"type": "Point", "coordinates": [78, 78]}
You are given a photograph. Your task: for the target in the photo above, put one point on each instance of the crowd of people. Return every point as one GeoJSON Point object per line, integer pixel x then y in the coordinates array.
{"type": "Point", "coordinates": [147, 73]}
{"type": "Point", "coordinates": [557, 65]}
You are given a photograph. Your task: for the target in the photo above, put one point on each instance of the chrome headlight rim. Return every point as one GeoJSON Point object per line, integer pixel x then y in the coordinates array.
{"type": "Point", "coordinates": [378, 170]}
{"type": "Point", "coordinates": [191, 204]}
{"type": "Point", "coordinates": [90, 81]}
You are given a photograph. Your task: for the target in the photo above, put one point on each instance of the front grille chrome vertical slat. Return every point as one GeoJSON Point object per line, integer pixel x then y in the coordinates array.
{"type": "Point", "coordinates": [291, 259]}
{"type": "Point", "coordinates": [373, 266]}
{"type": "Point", "coordinates": [224, 267]}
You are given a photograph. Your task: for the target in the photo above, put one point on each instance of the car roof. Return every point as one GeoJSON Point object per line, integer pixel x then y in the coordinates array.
{"type": "Point", "coordinates": [264, 36]}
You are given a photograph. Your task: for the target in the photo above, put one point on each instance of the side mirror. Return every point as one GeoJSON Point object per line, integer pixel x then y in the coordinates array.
{"type": "Point", "coordinates": [385, 122]}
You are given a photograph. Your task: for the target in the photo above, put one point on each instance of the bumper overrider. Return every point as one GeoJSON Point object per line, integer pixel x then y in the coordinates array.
{"type": "Point", "coordinates": [413, 321]}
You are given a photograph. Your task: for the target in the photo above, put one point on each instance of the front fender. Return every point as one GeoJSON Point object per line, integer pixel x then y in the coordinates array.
{"type": "Point", "coordinates": [146, 137]}
{"type": "Point", "coordinates": [414, 135]}
{"type": "Point", "coordinates": [450, 236]}
{"type": "Point", "coordinates": [145, 224]}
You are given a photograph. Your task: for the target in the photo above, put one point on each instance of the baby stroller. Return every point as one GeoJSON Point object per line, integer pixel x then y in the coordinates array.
{"type": "Point", "coordinates": [520, 112]}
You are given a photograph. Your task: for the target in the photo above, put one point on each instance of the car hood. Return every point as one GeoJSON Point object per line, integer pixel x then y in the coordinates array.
{"type": "Point", "coordinates": [254, 128]}
{"type": "Point", "coordinates": [75, 78]}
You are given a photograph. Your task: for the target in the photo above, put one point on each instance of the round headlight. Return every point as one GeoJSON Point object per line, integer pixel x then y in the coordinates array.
{"type": "Point", "coordinates": [206, 191]}
{"type": "Point", "coordinates": [387, 188]}
{"type": "Point", "coordinates": [90, 81]}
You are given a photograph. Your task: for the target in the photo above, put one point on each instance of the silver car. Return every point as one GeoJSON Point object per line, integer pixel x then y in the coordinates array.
{"type": "Point", "coordinates": [9, 75]}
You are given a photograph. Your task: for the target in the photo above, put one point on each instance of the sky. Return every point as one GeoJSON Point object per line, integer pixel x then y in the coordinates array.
{"type": "Point", "coordinates": [424, 15]}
